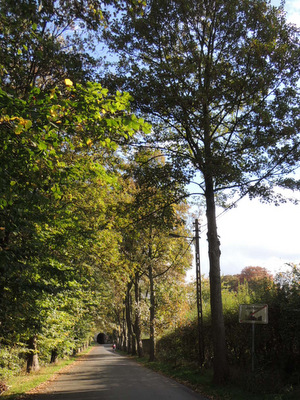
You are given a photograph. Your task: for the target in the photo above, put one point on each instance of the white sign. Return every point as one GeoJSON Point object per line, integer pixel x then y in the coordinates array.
{"type": "Point", "coordinates": [253, 314]}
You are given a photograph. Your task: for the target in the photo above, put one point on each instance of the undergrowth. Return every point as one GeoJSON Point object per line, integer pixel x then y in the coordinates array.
{"type": "Point", "coordinates": [250, 386]}
{"type": "Point", "coordinates": [22, 383]}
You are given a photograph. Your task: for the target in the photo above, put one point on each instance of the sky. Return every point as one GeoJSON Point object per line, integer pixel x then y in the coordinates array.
{"type": "Point", "coordinates": [293, 10]}
{"type": "Point", "coordinates": [256, 234]}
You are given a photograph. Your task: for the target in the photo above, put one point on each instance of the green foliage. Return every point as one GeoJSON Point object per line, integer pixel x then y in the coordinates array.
{"type": "Point", "coordinates": [200, 380]}
{"type": "Point", "coordinates": [45, 177]}
{"type": "Point", "coordinates": [276, 344]}
{"type": "Point", "coordinates": [154, 263]}
{"type": "Point", "coordinates": [84, 219]}
{"type": "Point", "coordinates": [213, 81]}
{"type": "Point", "coordinates": [58, 175]}
{"type": "Point", "coordinates": [41, 44]}
{"type": "Point", "coordinates": [179, 346]}
{"type": "Point", "coordinates": [10, 363]}
{"type": "Point", "coordinates": [62, 147]}
{"type": "Point", "coordinates": [220, 82]}
{"type": "Point", "coordinates": [21, 384]}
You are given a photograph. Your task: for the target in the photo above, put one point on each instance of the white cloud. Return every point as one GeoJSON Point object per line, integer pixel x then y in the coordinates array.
{"type": "Point", "coordinates": [293, 11]}
{"type": "Point", "coordinates": [292, 8]}
{"type": "Point", "coordinates": [255, 234]}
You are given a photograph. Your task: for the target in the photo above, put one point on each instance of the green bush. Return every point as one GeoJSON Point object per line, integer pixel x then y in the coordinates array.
{"type": "Point", "coordinates": [277, 350]}
{"type": "Point", "coordinates": [12, 361]}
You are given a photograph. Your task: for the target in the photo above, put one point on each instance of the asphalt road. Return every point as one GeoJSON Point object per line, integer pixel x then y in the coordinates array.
{"type": "Point", "coordinates": [105, 375]}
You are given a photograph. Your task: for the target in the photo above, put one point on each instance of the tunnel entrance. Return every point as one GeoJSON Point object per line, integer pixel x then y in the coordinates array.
{"type": "Point", "coordinates": [101, 338]}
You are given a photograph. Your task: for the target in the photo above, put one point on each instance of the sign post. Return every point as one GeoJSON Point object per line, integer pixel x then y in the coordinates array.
{"type": "Point", "coordinates": [253, 314]}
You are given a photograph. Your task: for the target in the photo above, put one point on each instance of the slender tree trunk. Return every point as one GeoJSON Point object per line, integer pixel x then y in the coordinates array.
{"type": "Point", "coordinates": [221, 369]}
{"type": "Point", "coordinates": [128, 317]}
{"type": "Point", "coordinates": [54, 356]}
{"type": "Point", "coordinates": [124, 333]}
{"type": "Point", "coordinates": [152, 314]}
{"type": "Point", "coordinates": [33, 360]}
{"type": "Point", "coordinates": [133, 343]}
{"type": "Point", "coordinates": [137, 321]}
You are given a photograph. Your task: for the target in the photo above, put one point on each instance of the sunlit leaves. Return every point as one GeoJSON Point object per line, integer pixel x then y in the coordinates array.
{"type": "Point", "coordinates": [68, 82]}
{"type": "Point", "coordinates": [57, 179]}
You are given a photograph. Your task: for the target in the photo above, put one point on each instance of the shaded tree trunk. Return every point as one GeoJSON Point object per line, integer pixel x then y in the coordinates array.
{"type": "Point", "coordinates": [54, 355]}
{"type": "Point", "coordinates": [152, 314]}
{"type": "Point", "coordinates": [221, 368]}
{"type": "Point", "coordinates": [133, 343]}
{"type": "Point", "coordinates": [124, 333]}
{"type": "Point", "coordinates": [137, 321]}
{"type": "Point", "coordinates": [128, 317]}
{"type": "Point", "coordinates": [32, 360]}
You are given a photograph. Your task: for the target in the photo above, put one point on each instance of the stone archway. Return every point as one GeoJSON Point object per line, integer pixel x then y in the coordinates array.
{"type": "Point", "coordinates": [101, 338]}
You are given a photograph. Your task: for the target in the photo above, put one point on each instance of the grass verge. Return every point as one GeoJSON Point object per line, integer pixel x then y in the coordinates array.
{"type": "Point", "coordinates": [20, 385]}
{"type": "Point", "coordinates": [189, 375]}
{"type": "Point", "coordinates": [201, 382]}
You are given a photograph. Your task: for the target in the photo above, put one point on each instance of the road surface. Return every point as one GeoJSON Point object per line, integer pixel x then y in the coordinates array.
{"type": "Point", "coordinates": [106, 375]}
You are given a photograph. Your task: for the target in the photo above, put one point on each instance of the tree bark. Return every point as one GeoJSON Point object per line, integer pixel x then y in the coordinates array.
{"type": "Point", "coordinates": [54, 355]}
{"type": "Point", "coordinates": [137, 321]}
{"type": "Point", "coordinates": [128, 317]}
{"type": "Point", "coordinates": [124, 333]}
{"type": "Point", "coordinates": [152, 314]}
{"type": "Point", "coordinates": [33, 359]}
{"type": "Point", "coordinates": [133, 343]}
{"type": "Point", "coordinates": [220, 363]}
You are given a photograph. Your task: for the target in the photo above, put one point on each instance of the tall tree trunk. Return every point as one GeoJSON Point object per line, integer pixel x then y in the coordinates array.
{"type": "Point", "coordinates": [33, 360]}
{"type": "Point", "coordinates": [221, 369]}
{"type": "Point", "coordinates": [128, 317]}
{"type": "Point", "coordinates": [152, 314]}
{"type": "Point", "coordinates": [124, 333]}
{"type": "Point", "coordinates": [133, 342]}
{"type": "Point", "coordinates": [137, 320]}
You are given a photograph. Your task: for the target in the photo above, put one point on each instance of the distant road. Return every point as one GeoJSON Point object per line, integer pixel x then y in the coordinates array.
{"type": "Point", "coordinates": [105, 375]}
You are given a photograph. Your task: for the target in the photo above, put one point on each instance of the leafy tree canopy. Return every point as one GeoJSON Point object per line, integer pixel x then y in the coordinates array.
{"type": "Point", "coordinates": [220, 82]}
{"type": "Point", "coordinates": [220, 79]}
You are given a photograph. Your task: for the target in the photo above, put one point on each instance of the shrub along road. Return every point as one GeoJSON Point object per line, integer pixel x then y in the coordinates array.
{"type": "Point", "coordinates": [106, 375]}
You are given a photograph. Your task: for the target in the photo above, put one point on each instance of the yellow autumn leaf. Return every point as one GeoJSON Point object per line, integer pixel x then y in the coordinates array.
{"type": "Point", "coordinates": [28, 124]}
{"type": "Point", "coordinates": [89, 142]}
{"type": "Point", "coordinates": [68, 82]}
{"type": "Point", "coordinates": [52, 93]}
{"type": "Point", "coordinates": [18, 129]}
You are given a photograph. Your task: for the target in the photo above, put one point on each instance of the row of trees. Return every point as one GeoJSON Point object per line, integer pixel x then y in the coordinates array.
{"type": "Point", "coordinates": [83, 216]}
{"type": "Point", "coordinates": [219, 82]}
{"type": "Point", "coordinates": [157, 263]}
{"type": "Point", "coordinates": [87, 199]}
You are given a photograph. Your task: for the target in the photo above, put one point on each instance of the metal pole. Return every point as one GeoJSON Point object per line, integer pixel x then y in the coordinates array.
{"type": "Point", "coordinates": [199, 295]}
{"type": "Point", "coordinates": [253, 345]}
